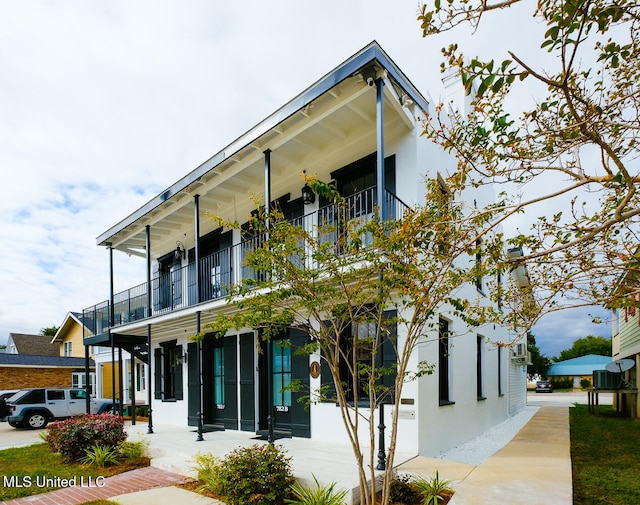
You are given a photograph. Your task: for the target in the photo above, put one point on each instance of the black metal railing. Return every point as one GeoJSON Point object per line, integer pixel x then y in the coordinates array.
{"type": "Point", "coordinates": [178, 289]}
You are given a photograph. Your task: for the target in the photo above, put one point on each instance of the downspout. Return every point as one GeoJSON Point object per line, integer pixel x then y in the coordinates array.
{"type": "Point", "coordinates": [147, 230]}
{"type": "Point", "coordinates": [382, 215]}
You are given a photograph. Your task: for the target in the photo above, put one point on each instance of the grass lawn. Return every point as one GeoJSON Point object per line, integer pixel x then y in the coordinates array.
{"type": "Point", "coordinates": [606, 457]}
{"type": "Point", "coordinates": [22, 470]}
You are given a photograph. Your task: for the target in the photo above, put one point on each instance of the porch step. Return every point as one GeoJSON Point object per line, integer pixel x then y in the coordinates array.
{"type": "Point", "coordinates": [208, 428]}
{"type": "Point", "coordinates": [277, 434]}
{"type": "Point", "coordinates": [213, 427]}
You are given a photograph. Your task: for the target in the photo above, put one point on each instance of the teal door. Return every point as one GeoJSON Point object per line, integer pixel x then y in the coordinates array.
{"type": "Point", "coordinates": [280, 366]}
{"type": "Point", "coordinates": [220, 405]}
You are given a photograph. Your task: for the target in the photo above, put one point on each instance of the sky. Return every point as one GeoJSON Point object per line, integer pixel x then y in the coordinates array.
{"type": "Point", "coordinates": [104, 104]}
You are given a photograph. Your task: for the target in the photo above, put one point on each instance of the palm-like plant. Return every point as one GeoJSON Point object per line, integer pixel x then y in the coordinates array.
{"type": "Point", "coordinates": [432, 489]}
{"type": "Point", "coordinates": [101, 455]}
{"type": "Point", "coordinates": [320, 495]}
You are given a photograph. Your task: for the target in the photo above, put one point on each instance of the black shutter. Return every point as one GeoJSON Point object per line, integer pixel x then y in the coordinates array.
{"type": "Point", "coordinates": [157, 372]}
{"type": "Point", "coordinates": [177, 377]}
{"type": "Point", "coordinates": [247, 387]}
{"type": "Point", "coordinates": [193, 384]}
{"type": "Point", "coordinates": [326, 379]}
{"type": "Point", "coordinates": [230, 412]}
{"type": "Point", "coordinates": [300, 414]}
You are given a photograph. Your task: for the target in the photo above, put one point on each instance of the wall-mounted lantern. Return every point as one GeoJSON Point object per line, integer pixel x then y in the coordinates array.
{"type": "Point", "coordinates": [308, 196]}
{"type": "Point", "coordinates": [180, 252]}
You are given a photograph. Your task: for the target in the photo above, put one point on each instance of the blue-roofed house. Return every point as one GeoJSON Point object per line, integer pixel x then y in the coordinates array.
{"type": "Point", "coordinates": [579, 368]}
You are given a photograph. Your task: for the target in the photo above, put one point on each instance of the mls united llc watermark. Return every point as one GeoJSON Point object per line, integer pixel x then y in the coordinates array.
{"type": "Point", "coordinates": [41, 481]}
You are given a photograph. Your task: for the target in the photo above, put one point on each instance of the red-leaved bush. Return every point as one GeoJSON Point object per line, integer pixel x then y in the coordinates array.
{"type": "Point", "coordinates": [72, 436]}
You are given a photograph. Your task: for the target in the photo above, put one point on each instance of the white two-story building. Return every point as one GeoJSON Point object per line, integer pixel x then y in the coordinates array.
{"type": "Point", "coordinates": [363, 110]}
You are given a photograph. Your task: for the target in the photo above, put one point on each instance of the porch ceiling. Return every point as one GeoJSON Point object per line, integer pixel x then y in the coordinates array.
{"type": "Point", "coordinates": [334, 128]}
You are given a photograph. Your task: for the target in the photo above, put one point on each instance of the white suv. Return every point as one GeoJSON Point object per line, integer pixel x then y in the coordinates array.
{"type": "Point", "coordinates": [34, 408]}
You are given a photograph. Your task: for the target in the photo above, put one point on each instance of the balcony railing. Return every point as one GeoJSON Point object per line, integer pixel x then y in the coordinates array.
{"type": "Point", "coordinates": [178, 289]}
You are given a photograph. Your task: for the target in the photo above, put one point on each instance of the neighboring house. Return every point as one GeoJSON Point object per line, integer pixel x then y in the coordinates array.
{"type": "Point", "coordinates": [24, 343]}
{"type": "Point", "coordinates": [625, 337]}
{"type": "Point", "coordinates": [70, 339]}
{"type": "Point", "coordinates": [579, 368]}
{"type": "Point", "coordinates": [332, 129]}
{"type": "Point", "coordinates": [28, 371]}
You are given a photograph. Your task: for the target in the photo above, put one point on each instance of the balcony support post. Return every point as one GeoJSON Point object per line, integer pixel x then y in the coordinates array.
{"type": "Point", "coordinates": [121, 382]}
{"type": "Point", "coordinates": [147, 239]}
{"type": "Point", "coordinates": [199, 438]}
{"type": "Point", "coordinates": [111, 337]}
{"type": "Point", "coordinates": [267, 204]}
{"type": "Point", "coordinates": [267, 185]}
{"type": "Point", "coordinates": [147, 233]}
{"type": "Point", "coordinates": [382, 215]}
{"type": "Point", "coordinates": [196, 223]}
{"type": "Point", "coordinates": [149, 381]}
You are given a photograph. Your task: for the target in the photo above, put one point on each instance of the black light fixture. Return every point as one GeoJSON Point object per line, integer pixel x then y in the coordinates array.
{"type": "Point", "coordinates": [308, 196]}
{"type": "Point", "coordinates": [180, 252]}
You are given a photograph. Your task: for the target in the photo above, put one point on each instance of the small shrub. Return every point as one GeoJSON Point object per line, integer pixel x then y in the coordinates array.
{"type": "Point", "coordinates": [72, 437]}
{"type": "Point", "coordinates": [585, 383]}
{"type": "Point", "coordinates": [132, 451]}
{"type": "Point", "coordinates": [321, 495]}
{"type": "Point", "coordinates": [401, 490]}
{"type": "Point", "coordinates": [260, 474]}
{"type": "Point", "coordinates": [206, 466]}
{"type": "Point", "coordinates": [142, 411]}
{"type": "Point", "coordinates": [100, 455]}
{"type": "Point", "coordinates": [432, 489]}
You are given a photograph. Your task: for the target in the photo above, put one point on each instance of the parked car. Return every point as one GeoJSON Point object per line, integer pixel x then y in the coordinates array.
{"type": "Point", "coordinates": [34, 408]}
{"type": "Point", "coordinates": [544, 387]}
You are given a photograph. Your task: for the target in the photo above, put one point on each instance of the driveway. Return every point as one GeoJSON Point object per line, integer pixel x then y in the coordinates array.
{"type": "Point", "coordinates": [16, 437]}
{"type": "Point", "coordinates": [565, 399]}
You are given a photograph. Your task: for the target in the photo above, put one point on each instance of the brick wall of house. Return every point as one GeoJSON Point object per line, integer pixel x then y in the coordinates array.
{"type": "Point", "coordinates": [19, 377]}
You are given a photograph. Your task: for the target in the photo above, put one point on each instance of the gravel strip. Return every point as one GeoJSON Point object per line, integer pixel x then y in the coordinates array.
{"type": "Point", "coordinates": [491, 441]}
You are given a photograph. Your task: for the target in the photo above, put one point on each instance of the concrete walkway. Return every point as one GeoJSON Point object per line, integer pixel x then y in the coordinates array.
{"type": "Point", "coordinates": [533, 468]}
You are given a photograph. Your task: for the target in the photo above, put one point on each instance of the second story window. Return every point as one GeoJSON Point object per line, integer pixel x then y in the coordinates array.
{"type": "Point", "coordinates": [67, 348]}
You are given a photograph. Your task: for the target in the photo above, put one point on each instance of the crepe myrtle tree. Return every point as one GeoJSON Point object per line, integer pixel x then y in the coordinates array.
{"type": "Point", "coordinates": [573, 149]}
{"type": "Point", "coordinates": [346, 281]}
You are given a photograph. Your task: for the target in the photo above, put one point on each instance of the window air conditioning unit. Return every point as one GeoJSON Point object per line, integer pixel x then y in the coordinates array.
{"type": "Point", "coordinates": [521, 355]}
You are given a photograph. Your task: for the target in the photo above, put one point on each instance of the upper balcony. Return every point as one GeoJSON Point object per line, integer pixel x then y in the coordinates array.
{"type": "Point", "coordinates": [339, 129]}
{"type": "Point", "coordinates": [177, 289]}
